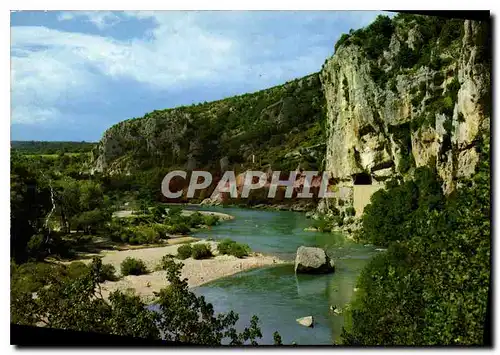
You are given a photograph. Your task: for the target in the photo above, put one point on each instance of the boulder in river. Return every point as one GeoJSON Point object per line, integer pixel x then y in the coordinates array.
{"type": "Point", "coordinates": [306, 321]}
{"type": "Point", "coordinates": [313, 260]}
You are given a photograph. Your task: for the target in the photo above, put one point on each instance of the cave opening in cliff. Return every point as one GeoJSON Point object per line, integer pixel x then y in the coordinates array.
{"type": "Point", "coordinates": [362, 179]}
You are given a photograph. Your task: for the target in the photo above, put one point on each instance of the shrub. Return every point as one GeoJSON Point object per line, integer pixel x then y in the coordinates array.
{"type": "Point", "coordinates": [224, 245]}
{"type": "Point", "coordinates": [174, 211]}
{"type": "Point", "coordinates": [30, 277]}
{"type": "Point", "coordinates": [165, 260]}
{"type": "Point", "coordinates": [76, 269]}
{"type": "Point", "coordinates": [108, 273]}
{"type": "Point", "coordinates": [230, 247]}
{"type": "Point", "coordinates": [211, 220]}
{"type": "Point", "coordinates": [178, 228]}
{"type": "Point", "coordinates": [343, 39]}
{"type": "Point", "coordinates": [323, 225]}
{"type": "Point", "coordinates": [387, 216]}
{"type": "Point", "coordinates": [131, 266]}
{"type": "Point", "coordinates": [201, 251]}
{"type": "Point", "coordinates": [184, 251]}
{"type": "Point", "coordinates": [196, 219]}
{"type": "Point", "coordinates": [239, 250]}
{"type": "Point", "coordinates": [162, 230]}
{"type": "Point", "coordinates": [144, 235]}
{"type": "Point", "coordinates": [350, 211]}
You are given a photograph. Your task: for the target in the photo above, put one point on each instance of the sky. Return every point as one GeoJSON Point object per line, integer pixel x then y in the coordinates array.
{"type": "Point", "coordinates": [75, 74]}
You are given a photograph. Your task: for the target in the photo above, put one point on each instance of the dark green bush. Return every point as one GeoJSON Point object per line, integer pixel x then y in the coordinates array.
{"type": "Point", "coordinates": [230, 247]}
{"type": "Point", "coordinates": [174, 211]}
{"type": "Point", "coordinates": [184, 251]}
{"type": "Point", "coordinates": [76, 269]}
{"type": "Point", "coordinates": [386, 218]}
{"type": "Point", "coordinates": [201, 251]}
{"type": "Point", "coordinates": [165, 261]}
{"type": "Point", "coordinates": [350, 211]}
{"type": "Point", "coordinates": [196, 219]}
{"type": "Point", "coordinates": [29, 277]}
{"type": "Point", "coordinates": [108, 273]}
{"type": "Point", "coordinates": [211, 220]}
{"type": "Point", "coordinates": [178, 228]}
{"type": "Point", "coordinates": [132, 266]}
{"type": "Point", "coordinates": [239, 250]}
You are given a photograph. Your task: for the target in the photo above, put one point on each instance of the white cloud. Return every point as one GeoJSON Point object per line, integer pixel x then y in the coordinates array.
{"type": "Point", "coordinates": [183, 49]}
{"type": "Point", "coordinates": [100, 19]}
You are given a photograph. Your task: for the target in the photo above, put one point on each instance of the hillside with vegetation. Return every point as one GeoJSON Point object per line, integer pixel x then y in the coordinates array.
{"type": "Point", "coordinates": [257, 130]}
{"type": "Point", "coordinates": [49, 148]}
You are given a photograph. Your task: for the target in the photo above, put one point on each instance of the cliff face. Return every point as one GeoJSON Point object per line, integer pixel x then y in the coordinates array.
{"type": "Point", "coordinates": [254, 130]}
{"type": "Point", "coordinates": [417, 99]}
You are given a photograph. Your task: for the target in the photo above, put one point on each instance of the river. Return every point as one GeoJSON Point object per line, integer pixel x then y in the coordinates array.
{"type": "Point", "coordinates": [275, 294]}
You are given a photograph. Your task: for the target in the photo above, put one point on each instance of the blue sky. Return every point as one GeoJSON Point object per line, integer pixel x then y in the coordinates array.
{"type": "Point", "coordinates": [74, 74]}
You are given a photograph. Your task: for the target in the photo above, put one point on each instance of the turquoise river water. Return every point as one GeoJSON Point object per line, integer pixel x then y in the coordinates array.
{"type": "Point", "coordinates": [275, 294]}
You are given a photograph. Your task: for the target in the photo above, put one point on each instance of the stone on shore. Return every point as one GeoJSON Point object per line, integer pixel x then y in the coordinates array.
{"type": "Point", "coordinates": [310, 229]}
{"type": "Point", "coordinates": [306, 321]}
{"type": "Point", "coordinates": [313, 260]}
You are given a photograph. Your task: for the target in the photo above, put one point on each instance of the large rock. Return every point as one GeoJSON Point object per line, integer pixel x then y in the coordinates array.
{"type": "Point", "coordinates": [306, 321]}
{"type": "Point", "coordinates": [313, 260]}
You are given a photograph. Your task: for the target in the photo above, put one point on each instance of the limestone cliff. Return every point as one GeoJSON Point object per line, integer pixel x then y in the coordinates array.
{"type": "Point", "coordinates": [404, 93]}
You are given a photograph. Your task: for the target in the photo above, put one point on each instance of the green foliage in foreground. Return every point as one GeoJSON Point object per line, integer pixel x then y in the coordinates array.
{"type": "Point", "coordinates": [77, 304]}
{"type": "Point", "coordinates": [435, 280]}
{"type": "Point", "coordinates": [230, 247]}
{"type": "Point", "coordinates": [131, 266]}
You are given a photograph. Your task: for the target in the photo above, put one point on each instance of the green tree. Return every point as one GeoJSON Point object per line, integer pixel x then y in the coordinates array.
{"type": "Point", "coordinates": [78, 304]}
{"type": "Point", "coordinates": [437, 280]}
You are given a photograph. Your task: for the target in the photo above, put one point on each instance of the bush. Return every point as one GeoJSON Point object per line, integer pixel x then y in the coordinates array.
{"type": "Point", "coordinates": [387, 216]}
{"type": "Point", "coordinates": [230, 247]}
{"type": "Point", "coordinates": [131, 266]}
{"type": "Point", "coordinates": [76, 269]}
{"type": "Point", "coordinates": [239, 250]}
{"type": "Point", "coordinates": [350, 211]}
{"type": "Point", "coordinates": [224, 245]}
{"type": "Point", "coordinates": [108, 273]}
{"type": "Point", "coordinates": [30, 277]}
{"type": "Point", "coordinates": [323, 225]}
{"type": "Point", "coordinates": [144, 235]}
{"type": "Point", "coordinates": [184, 251]}
{"type": "Point", "coordinates": [211, 220]}
{"type": "Point", "coordinates": [162, 230]}
{"type": "Point", "coordinates": [178, 228]}
{"type": "Point", "coordinates": [165, 260]}
{"type": "Point", "coordinates": [201, 251]}
{"type": "Point", "coordinates": [196, 219]}
{"type": "Point", "coordinates": [174, 211]}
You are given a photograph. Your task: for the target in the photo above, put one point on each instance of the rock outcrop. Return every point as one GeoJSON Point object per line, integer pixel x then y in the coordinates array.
{"type": "Point", "coordinates": [313, 260]}
{"type": "Point", "coordinates": [306, 321]}
{"type": "Point", "coordinates": [392, 112]}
